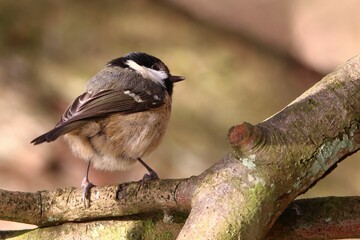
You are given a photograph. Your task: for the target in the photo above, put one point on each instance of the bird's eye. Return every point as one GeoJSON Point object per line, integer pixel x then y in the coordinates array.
{"type": "Point", "coordinates": [155, 67]}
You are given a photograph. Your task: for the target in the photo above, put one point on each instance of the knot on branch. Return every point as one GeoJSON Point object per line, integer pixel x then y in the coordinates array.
{"type": "Point", "coordinates": [246, 138]}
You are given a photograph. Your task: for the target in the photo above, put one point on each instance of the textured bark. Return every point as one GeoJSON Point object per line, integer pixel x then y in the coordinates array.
{"type": "Point", "coordinates": [319, 218]}
{"type": "Point", "coordinates": [111, 229]}
{"type": "Point", "coordinates": [243, 194]}
{"type": "Point", "coordinates": [47, 208]}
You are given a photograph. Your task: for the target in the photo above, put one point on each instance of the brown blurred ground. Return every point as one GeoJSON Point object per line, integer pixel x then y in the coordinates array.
{"type": "Point", "coordinates": [49, 49]}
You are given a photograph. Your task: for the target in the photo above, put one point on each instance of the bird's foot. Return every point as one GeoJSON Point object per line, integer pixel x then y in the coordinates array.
{"type": "Point", "coordinates": [86, 185]}
{"type": "Point", "coordinates": [152, 175]}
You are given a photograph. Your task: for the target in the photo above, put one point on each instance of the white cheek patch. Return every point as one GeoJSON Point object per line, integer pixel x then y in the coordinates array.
{"type": "Point", "coordinates": [153, 75]}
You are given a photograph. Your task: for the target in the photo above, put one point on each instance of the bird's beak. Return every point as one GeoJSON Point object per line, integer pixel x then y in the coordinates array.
{"type": "Point", "coordinates": [175, 79]}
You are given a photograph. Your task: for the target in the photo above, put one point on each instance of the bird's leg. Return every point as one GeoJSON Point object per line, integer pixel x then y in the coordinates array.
{"type": "Point", "coordinates": [87, 185]}
{"type": "Point", "coordinates": [152, 174]}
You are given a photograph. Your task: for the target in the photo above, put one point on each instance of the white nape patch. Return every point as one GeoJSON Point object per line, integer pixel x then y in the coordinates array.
{"type": "Point", "coordinates": [134, 96]}
{"type": "Point", "coordinates": [156, 76]}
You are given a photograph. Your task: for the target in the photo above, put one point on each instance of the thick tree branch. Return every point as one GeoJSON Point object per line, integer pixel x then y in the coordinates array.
{"type": "Point", "coordinates": [46, 208]}
{"type": "Point", "coordinates": [311, 219]}
{"type": "Point", "coordinates": [318, 218]}
{"type": "Point", "coordinates": [278, 159]}
{"type": "Point", "coordinates": [243, 194]}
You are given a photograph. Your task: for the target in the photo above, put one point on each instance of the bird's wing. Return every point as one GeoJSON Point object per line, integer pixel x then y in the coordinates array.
{"type": "Point", "coordinates": [88, 106]}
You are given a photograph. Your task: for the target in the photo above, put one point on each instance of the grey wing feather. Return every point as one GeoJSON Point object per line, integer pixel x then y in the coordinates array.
{"type": "Point", "coordinates": [103, 103]}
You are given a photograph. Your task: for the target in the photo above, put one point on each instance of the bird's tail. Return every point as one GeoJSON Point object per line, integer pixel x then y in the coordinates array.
{"type": "Point", "coordinates": [53, 134]}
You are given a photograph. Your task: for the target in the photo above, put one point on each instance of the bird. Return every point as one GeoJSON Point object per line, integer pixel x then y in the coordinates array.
{"type": "Point", "coordinates": [120, 118]}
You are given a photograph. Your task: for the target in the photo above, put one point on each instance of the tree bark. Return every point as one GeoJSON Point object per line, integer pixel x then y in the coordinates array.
{"type": "Point", "coordinates": [318, 218]}
{"type": "Point", "coordinates": [243, 194]}
{"type": "Point", "coordinates": [311, 219]}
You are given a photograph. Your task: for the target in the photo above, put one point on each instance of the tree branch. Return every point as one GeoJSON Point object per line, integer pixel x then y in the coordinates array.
{"type": "Point", "coordinates": [48, 208]}
{"type": "Point", "coordinates": [278, 159]}
{"type": "Point", "coordinates": [311, 219]}
{"type": "Point", "coordinates": [319, 218]}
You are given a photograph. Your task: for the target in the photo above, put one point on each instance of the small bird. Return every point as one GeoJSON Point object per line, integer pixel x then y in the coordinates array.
{"type": "Point", "coordinates": [121, 117]}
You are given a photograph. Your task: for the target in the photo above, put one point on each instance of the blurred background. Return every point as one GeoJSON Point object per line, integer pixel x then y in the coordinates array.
{"type": "Point", "coordinates": [243, 60]}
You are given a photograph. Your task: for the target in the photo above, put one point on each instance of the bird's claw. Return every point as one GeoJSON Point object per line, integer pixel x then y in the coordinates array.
{"type": "Point", "coordinates": [151, 176]}
{"type": "Point", "coordinates": [86, 185]}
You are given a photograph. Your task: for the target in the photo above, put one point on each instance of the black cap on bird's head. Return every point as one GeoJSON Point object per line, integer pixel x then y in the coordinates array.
{"type": "Point", "coordinates": [149, 67]}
